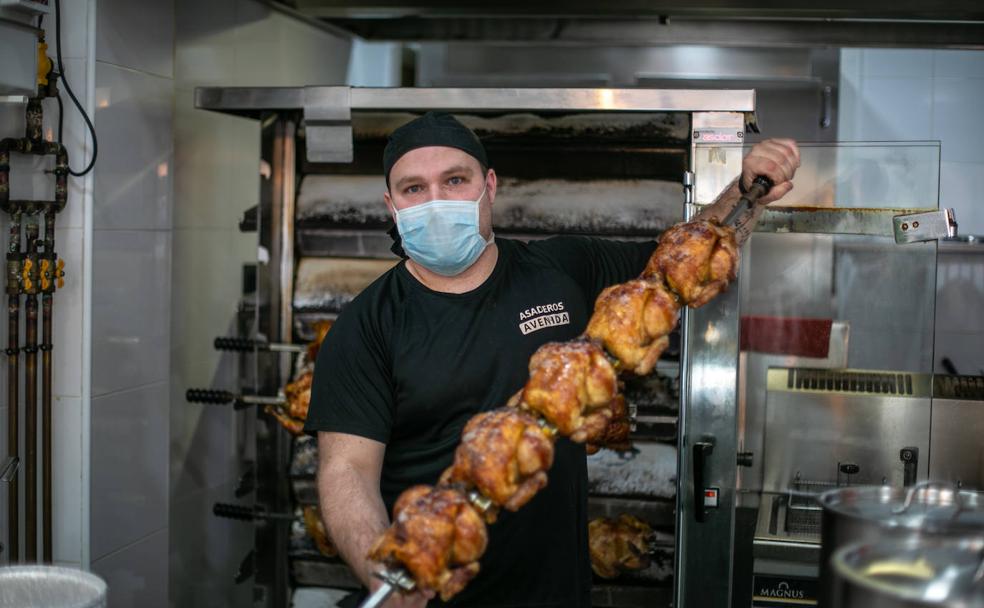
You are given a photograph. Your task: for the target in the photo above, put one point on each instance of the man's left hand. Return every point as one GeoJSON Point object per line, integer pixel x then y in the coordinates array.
{"type": "Point", "coordinates": [776, 159]}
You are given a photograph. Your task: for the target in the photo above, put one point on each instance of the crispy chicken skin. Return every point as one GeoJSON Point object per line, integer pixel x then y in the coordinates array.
{"type": "Point", "coordinates": [570, 386]}
{"type": "Point", "coordinates": [633, 321]}
{"type": "Point", "coordinates": [618, 545]}
{"type": "Point", "coordinates": [316, 530]}
{"type": "Point", "coordinates": [437, 536]}
{"type": "Point", "coordinates": [697, 259]}
{"type": "Point", "coordinates": [293, 425]}
{"type": "Point", "coordinates": [616, 435]}
{"type": "Point", "coordinates": [298, 395]}
{"type": "Point", "coordinates": [320, 331]}
{"type": "Point", "coordinates": [505, 455]}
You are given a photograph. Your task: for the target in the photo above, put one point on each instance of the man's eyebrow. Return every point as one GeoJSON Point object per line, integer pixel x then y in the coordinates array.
{"type": "Point", "coordinates": [405, 179]}
{"type": "Point", "coordinates": [458, 169]}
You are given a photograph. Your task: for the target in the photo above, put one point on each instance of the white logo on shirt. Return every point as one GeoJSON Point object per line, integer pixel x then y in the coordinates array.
{"type": "Point", "coordinates": [546, 315]}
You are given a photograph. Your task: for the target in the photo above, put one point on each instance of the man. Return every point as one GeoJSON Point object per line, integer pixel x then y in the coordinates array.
{"type": "Point", "coordinates": [445, 335]}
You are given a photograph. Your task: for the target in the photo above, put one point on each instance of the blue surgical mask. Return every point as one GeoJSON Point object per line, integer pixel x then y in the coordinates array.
{"type": "Point", "coordinates": [442, 235]}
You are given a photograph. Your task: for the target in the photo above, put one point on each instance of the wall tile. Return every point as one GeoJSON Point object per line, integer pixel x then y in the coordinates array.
{"type": "Point", "coordinates": [896, 109]}
{"type": "Point", "coordinates": [67, 315]}
{"type": "Point", "coordinates": [137, 575]}
{"type": "Point", "coordinates": [134, 173]}
{"type": "Point", "coordinates": [137, 35]}
{"type": "Point", "coordinates": [130, 309]}
{"type": "Point", "coordinates": [961, 185]}
{"type": "Point", "coordinates": [217, 166]}
{"type": "Point", "coordinates": [275, 50]}
{"type": "Point", "coordinates": [203, 304]}
{"type": "Point", "coordinates": [909, 63]}
{"type": "Point", "coordinates": [74, 29]}
{"type": "Point", "coordinates": [204, 297]}
{"type": "Point", "coordinates": [957, 119]}
{"type": "Point", "coordinates": [958, 64]}
{"type": "Point", "coordinates": [66, 471]}
{"type": "Point", "coordinates": [204, 45]}
{"type": "Point", "coordinates": [129, 452]}
{"type": "Point", "coordinates": [201, 449]}
{"type": "Point", "coordinates": [205, 578]}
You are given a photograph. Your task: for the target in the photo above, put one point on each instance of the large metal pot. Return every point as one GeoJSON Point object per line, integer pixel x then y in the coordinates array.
{"type": "Point", "coordinates": [867, 514]}
{"type": "Point", "coordinates": [915, 573]}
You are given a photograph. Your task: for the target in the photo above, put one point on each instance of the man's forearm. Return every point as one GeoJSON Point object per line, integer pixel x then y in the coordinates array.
{"type": "Point", "coordinates": [354, 516]}
{"type": "Point", "coordinates": [723, 205]}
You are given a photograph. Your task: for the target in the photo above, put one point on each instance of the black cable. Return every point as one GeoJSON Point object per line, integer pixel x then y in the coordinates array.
{"type": "Point", "coordinates": [68, 89]}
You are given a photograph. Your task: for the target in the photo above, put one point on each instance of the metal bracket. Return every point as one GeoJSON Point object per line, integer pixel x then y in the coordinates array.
{"type": "Point", "coordinates": [328, 124]}
{"type": "Point", "coordinates": [927, 226]}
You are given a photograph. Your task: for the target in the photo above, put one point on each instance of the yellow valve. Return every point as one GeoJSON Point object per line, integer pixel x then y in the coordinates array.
{"type": "Point", "coordinates": [60, 273]}
{"type": "Point", "coordinates": [45, 274]}
{"type": "Point", "coordinates": [26, 276]}
{"type": "Point", "coordinates": [44, 63]}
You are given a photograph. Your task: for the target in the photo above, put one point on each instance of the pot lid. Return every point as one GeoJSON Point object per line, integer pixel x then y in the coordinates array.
{"type": "Point", "coordinates": [923, 571]}
{"type": "Point", "coordinates": [931, 507]}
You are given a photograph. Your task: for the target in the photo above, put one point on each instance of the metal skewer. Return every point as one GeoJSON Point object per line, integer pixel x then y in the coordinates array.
{"type": "Point", "coordinates": [220, 397]}
{"type": "Point", "coordinates": [759, 188]}
{"type": "Point", "coordinates": [232, 343]}
{"type": "Point", "coordinates": [393, 580]}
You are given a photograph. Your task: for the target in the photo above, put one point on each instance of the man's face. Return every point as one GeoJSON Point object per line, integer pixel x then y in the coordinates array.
{"type": "Point", "coordinates": [437, 172]}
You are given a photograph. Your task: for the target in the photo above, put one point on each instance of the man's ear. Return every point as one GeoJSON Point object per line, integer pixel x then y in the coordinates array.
{"type": "Point", "coordinates": [389, 204]}
{"type": "Point", "coordinates": [492, 181]}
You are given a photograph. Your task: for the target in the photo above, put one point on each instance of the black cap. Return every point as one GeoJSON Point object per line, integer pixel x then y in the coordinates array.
{"type": "Point", "coordinates": [431, 129]}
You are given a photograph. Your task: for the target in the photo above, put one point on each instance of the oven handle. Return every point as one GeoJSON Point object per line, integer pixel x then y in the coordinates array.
{"type": "Point", "coordinates": [702, 449]}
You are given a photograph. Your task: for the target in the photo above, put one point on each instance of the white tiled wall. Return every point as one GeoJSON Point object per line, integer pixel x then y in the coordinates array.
{"type": "Point", "coordinates": [900, 94]}
{"type": "Point", "coordinates": [131, 283]}
{"type": "Point", "coordinates": [216, 178]}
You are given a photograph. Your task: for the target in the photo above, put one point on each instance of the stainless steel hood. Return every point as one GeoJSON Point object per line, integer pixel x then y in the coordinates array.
{"type": "Point", "coordinates": [791, 23]}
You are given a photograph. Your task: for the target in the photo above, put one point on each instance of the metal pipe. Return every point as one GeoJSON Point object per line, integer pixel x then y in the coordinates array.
{"type": "Point", "coordinates": [29, 275]}
{"type": "Point", "coordinates": [13, 358]}
{"type": "Point", "coordinates": [48, 280]}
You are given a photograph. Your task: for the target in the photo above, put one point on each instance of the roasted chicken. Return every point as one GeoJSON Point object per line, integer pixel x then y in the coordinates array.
{"type": "Point", "coordinates": [633, 321]}
{"type": "Point", "coordinates": [298, 395]}
{"type": "Point", "coordinates": [294, 412]}
{"type": "Point", "coordinates": [504, 454]}
{"type": "Point", "coordinates": [616, 435]}
{"type": "Point", "coordinates": [320, 331]}
{"type": "Point", "coordinates": [571, 385]}
{"type": "Point", "coordinates": [316, 530]}
{"type": "Point", "coordinates": [618, 545]}
{"type": "Point", "coordinates": [293, 425]}
{"type": "Point", "coordinates": [292, 415]}
{"type": "Point", "coordinates": [697, 259]}
{"type": "Point", "coordinates": [437, 536]}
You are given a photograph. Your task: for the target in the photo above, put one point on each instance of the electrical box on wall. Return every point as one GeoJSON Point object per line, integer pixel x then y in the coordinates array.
{"type": "Point", "coordinates": [19, 68]}
{"type": "Point", "coordinates": [35, 7]}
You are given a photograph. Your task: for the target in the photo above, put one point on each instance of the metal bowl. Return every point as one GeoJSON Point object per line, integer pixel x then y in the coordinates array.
{"type": "Point", "coordinates": [50, 587]}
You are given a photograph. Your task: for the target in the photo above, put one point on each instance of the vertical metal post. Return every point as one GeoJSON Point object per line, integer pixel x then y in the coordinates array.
{"type": "Point", "coordinates": [49, 279]}
{"type": "Point", "coordinates": [707, 447]}
{"type": "Point", "coordinates": [275, 288]}
{"type": "Point", "coordinates": [31, 396]}
{"type": "Point", "coordinates": [14, 260]}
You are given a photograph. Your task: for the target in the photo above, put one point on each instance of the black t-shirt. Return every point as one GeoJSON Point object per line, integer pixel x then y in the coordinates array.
{"type": "Point", "coordinates": [408, 366]}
